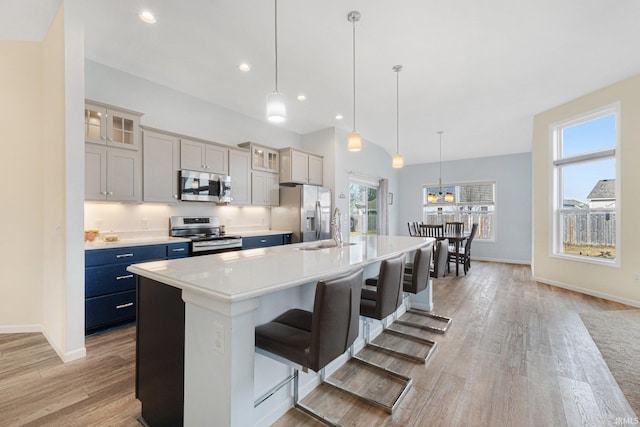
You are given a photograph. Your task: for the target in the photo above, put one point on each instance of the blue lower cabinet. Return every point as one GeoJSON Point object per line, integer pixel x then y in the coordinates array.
{"type": "Point", "coordinates": [108, 279]}
{"type": "Point", "coordinates": [177, 250]}
{"type": "Point", "coordinates": [110, 290]}
{"type": "Point", "coordinates": [108, 310]}
{"type": "Point", "coordinates": [261, 241]}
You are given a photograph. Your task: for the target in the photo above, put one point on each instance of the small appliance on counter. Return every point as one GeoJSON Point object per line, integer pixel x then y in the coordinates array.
{"type": "Point", "coordinates": [206, 234]}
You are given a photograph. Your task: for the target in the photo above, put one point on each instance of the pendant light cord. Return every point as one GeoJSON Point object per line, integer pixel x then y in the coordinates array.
{"type": "Point", "coordinates": [398, 110]}
{"type": "Point", "coordinates": [354, 75]}
{"type": "Point", "coordinates": [276, 39]}
{"type": "Point", "coordinates": [440, 179]}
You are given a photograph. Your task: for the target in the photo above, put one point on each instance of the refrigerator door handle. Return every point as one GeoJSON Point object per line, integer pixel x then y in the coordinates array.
{"type": "Point", "coordinates": [318, 220]}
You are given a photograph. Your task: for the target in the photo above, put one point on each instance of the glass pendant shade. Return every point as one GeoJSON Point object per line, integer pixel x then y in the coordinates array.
{"type": "Point", "coordinates": [448, 197]}
{"type": "Point", "coordinates": [276, 110]}
{"type": "Point", "coordinates": [397, 161]}
{"type": "Point", "coordinates": [432, 198]}
{"type": "Point", "coordinates": [354, 142]}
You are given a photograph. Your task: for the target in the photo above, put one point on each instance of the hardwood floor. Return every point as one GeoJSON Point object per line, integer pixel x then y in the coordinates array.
{"type": "Point", "coordinates": [37, 389]}
{"type": "Point", "coordinates": [516, 354]}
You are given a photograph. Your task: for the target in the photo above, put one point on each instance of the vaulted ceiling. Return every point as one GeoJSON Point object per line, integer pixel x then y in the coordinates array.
{"type": "Point", "coordinates": [479, 71]}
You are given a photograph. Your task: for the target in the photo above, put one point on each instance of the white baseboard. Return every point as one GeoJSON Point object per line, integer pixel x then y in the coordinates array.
{"type": "Point", "coordinates": [20, 329]}
{"type": "Point", "coordinates": [505, 261]}
{"type": "Point", "coordinates": [66, 357]}
{"type": "Point", "coordinates": [585, 291]}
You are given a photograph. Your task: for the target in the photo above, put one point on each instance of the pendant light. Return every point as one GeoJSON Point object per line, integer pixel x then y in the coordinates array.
{"type": "Point", "coordinates": [276, 109]}
{"type": "Point", "coordinates": [448, 196]}
{"type": "Point", "coordinates": [355, 141]}
{"type": "Point", "coordinates": [397, 161]}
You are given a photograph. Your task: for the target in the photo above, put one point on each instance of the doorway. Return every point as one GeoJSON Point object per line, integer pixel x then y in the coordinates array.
{"type": "Point", "coordinates": [363, 209]}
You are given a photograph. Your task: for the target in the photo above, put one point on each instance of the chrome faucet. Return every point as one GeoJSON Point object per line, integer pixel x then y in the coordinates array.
{"type": "Point", "coordinates": [336, 225]}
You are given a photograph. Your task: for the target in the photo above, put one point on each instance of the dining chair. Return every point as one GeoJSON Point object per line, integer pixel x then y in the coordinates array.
{"type": "Point", "coordinates": [454, 227]}
{"type": "Point", "coordinates": [413, 232]}
{"type": "Point", "coordinates": [463, 255]}
{"type": "Point", "coordinates": [432, 230]}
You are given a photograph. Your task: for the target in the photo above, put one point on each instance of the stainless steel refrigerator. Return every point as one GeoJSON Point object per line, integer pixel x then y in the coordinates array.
{"type": "Point", "coordinates": [305, 210]}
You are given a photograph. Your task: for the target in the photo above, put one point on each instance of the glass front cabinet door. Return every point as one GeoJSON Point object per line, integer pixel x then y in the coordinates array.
{"type": "Point", "coordinates": [111, 126]}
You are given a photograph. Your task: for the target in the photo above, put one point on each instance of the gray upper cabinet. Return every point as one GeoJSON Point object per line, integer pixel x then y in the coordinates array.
{"type": "Point", "coordinates": [298, 167]}
{"type": "Point", "coordinates": [160, 166]}
{"type": "Point", "coordinates": [113, 169]}
{"type": "Point", "coordinates": [265, 189]}
{"type": "Point", "coordinates": [107, 125]}
{"type": "Point", "coordinates": [112, 174]}
{"type": "Point", "coordinates": [263, 158]}
{"type": "Point", "coordinates": [203, 157]}
{"type": "Point", "coordinates": [240, 172]}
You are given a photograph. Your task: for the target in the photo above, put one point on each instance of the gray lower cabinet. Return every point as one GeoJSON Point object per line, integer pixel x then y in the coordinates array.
{"type": "Point", "coordinates": [110, 290]}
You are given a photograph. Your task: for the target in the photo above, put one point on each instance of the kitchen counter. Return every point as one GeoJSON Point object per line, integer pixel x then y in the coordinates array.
{"type": "Point", "coordinates": [222, 298]}
{"type": "Point", "coordinates": [132, 241]}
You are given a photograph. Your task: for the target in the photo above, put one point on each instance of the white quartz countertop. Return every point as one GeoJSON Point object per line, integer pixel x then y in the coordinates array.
{"type": "Point", "coordinates": [135, 241]}
{"type": "Point", "coordinates": [240, 275]}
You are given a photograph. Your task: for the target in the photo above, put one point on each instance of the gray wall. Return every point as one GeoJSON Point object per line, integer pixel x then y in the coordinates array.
{"type": "Point", "coordinates": [173, 111]}
{"type": "Point", "coordinates": [512, 174]}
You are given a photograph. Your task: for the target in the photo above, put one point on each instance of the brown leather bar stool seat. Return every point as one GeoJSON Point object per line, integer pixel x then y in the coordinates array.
{"type": "Point", "coordinates": [416, 280]}
{"type": "Point", "coordinates": [306, 340]}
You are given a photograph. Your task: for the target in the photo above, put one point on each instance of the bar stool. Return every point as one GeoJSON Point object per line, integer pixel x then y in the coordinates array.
{"type": "Point", "coordinates": [421, 264]}
{"type": "Point", "coordinates": [416, 279]}
{"type": "Point", "coordinates": [305, 340]}
{"type": "Point", "coordinates": [380, 304]}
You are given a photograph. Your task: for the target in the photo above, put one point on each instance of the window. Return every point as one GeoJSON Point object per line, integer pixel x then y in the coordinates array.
{"type": "Point", "coordinates": [585, 219]}
{"type": "Point", "coordinates": [468, 203]}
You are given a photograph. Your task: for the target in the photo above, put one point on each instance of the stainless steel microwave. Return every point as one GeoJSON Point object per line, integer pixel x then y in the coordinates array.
{"type": "Point", "coordinates": [204, 187]}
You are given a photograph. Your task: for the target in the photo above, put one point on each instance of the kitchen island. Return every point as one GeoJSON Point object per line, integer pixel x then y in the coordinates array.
{"type": "Point", "coordinates": [201, 312]}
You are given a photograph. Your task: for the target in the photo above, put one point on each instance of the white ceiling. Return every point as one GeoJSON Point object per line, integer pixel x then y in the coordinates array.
{"type": "Point", "coordinates": [479, 71]}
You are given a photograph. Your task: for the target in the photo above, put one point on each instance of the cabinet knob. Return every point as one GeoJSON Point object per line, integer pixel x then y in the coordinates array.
{"type": "Point", "coordinates": [175, 196]}
{"type": "Point", "coordinates": [110, 193]}
{"type": "Point", "coordinates": [104, 193]}
{"type": "Point", "coordinates": [110, 139]}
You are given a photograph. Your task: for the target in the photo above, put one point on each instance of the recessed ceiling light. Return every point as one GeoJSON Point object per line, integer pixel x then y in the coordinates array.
{"type": "Point", "coordinates": [244, 67]}
{"type": "Point", "coordinates": [301, 97]}
{"type": "Point", "coordinates": [339, 117]}
{"type": "Point", "coordinates": [147, 17]}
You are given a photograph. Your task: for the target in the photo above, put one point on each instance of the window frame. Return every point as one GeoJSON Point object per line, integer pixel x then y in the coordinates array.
{"type": "Point", "coordinates": [556, 191]}
{"type": "Point", "coordinates": [494, 182]}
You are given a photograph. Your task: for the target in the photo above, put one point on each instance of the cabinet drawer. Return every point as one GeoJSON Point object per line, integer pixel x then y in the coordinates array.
{"type": "Point", "coordinates": [108, 309]}
{"type": "Point", "coordinates": [108, 279]}
{"type": "Point", "coordinates": [177, 250]}
{"type": "Point", "coordinates": [261, 241]}
{"type": "Point", "coordinates": [129, 255]}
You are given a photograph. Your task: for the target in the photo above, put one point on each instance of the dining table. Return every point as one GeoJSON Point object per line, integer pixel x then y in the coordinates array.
{"type": "Point", "coordinates": [456, 239]}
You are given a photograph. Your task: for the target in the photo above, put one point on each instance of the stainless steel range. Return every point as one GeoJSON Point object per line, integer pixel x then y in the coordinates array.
{"type": "Point", "coordinates": [205, 234]}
